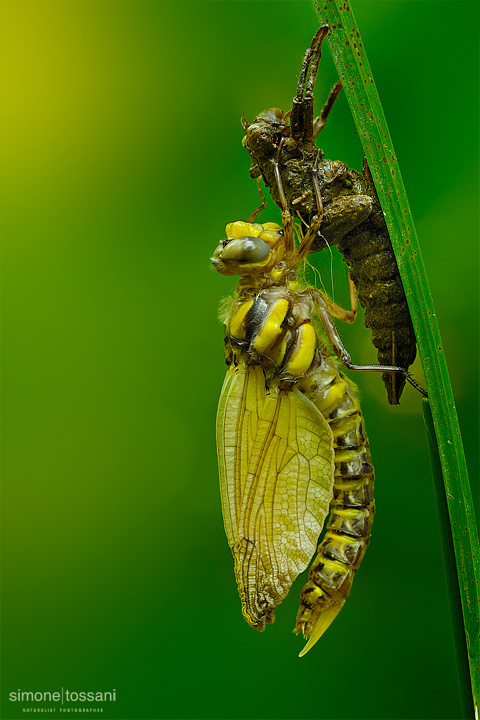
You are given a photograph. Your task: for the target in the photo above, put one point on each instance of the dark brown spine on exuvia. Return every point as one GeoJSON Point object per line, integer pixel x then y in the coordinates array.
{"type": "Point", "coordinates": [353, 221]}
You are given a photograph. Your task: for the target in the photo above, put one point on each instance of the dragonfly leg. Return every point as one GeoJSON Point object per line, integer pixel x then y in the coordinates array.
{"type": "Point", "coordinates": [315, 224]}
{"type": "Point", "coordinates": [340, 313]}
{"type": "Point", "coordinates": [262, 205]}
{"type": "Point", "coordinates": [342, 353]}
{"type": "Point", "coordinates": [287, 217]}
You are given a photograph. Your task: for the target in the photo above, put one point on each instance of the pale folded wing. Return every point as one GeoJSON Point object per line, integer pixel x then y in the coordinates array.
{"type": "Point", "coordinates": [276, 463]}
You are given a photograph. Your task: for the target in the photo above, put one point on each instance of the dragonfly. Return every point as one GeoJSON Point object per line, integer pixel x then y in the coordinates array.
{"type": "Point", "coordinates": [291, 437]}
{"type": "Point", "coordinates": [284, 153]}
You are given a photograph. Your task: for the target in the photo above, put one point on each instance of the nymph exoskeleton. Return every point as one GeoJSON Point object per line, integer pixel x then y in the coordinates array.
{"type": "Point", "coordinates": [284, 153]}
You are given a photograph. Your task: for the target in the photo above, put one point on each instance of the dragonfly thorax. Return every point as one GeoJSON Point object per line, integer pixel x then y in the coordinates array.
{"type": "Point", "coordinates": [273, 327]}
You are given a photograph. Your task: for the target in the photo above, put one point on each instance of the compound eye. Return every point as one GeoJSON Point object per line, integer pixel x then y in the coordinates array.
{"type": "Point", "coordinates": [246, 250]}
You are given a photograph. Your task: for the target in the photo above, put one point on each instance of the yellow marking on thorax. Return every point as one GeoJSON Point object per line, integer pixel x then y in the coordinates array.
{"type": "Point", "coordinates": [277, 273]}
{"type": "Point", "coordinates": [292, 284]}
{"type": "Point", "coordinates": [271, 329]}
{"type": "Point", "coordinates": [280, 348]}
{"type": "Point", "coordinates": [302, 355]}
{"type": "Point", "coordinates": [237, 323]}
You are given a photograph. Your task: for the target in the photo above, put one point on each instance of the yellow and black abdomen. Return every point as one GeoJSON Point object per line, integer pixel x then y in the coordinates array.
{"type": "Point", "coordinates": [348, 529]}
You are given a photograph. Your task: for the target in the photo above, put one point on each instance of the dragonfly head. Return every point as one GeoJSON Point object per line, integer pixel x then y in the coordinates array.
{"type": "Point", "coordinates": [248, 249]}
{"type": "Point", "coordinates": [263, 136]}
{"type": "Point", "coordinates": [241, 256]}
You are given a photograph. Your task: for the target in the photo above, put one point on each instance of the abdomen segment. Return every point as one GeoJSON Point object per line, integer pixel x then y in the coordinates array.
{"type": "Point", "coordinates": [347, 533]}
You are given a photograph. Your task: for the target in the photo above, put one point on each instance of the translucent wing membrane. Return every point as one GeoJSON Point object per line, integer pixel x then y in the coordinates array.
{"type": "Point", "coordinates": [276, 462]}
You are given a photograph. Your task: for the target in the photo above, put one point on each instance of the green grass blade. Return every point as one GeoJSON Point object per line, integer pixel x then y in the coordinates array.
{"type": "Point", "coordinates": [450, 568]}
{"type": "Point", "coordinates": [352, 64]}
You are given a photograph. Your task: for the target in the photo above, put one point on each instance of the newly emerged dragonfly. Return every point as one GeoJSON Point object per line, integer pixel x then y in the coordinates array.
{"type": "Point", "coordinates": [284, 153]}
{"type": "Point", "coordinates": [290, 434]}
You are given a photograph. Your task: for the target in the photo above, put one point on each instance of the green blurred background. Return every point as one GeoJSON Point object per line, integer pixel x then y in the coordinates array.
{"type": "Point", "coordinates": [122, 162]}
